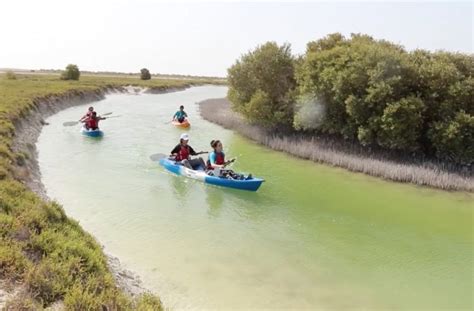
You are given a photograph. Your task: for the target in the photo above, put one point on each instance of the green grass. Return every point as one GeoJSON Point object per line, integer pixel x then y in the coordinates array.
{"type": "Point", "coordinates": [41, 248]}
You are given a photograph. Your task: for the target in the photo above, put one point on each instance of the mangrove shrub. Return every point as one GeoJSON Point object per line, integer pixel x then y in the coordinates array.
{"type": "Point", "coordinates": [145, 74]}
{"type": "Point", "coordinates": [261, 84]}
{"type": "Point", "coordinates": [71, 73]}
{"type": "Point", "coordinates": [362, 89]}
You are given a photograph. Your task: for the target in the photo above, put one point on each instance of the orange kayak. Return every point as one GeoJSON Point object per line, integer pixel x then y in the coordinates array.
{"type": "Point", "coordinates": [183, 124]}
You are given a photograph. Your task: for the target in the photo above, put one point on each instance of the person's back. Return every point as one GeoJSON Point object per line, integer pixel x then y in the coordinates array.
{"type": "Point", "coordinates": [92, 123]}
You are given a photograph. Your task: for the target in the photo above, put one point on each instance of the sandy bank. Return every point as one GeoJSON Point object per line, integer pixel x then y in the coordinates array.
{"type": "Point", "coordinates": [340, 153]}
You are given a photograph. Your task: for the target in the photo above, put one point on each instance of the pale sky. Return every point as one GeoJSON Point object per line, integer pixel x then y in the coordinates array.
{"type": "Point", "coordinates": [205, 38]}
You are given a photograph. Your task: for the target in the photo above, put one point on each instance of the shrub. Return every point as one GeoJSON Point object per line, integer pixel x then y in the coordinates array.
{"type": "Point", "coordinates": [148, 302]}
{"type": "Point", "coordinates": [261, 84]}
{"type": "Point", "coordinates": [145, 74]}
{"type": "Point", "coordinates": [377, 93]}
{"type": "Point", "coordinates": [71, 73]}
{"type": "Point", "coordinates": [401, 124]}
{"type": "Point", "coordinates": [10, 75]}
{"type": "Point", "coordinates": [454, 139]}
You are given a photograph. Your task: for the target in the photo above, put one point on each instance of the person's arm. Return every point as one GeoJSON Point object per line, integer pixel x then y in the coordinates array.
{"type": "Point", "coordinates": [185, 114]}
{"type": "Point", "coordinates": [174, 116]}
{"type": "Point", "coordinates": [191, 151]}
{"type": "Point", "coordinates": [175, 150]}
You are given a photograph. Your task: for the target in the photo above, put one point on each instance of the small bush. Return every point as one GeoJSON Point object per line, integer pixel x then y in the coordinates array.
{"type": "Point", "coordinates": [12, 261]}
{"type": "Point", "coordinates": [49, 280]}
{"type": "Point", "coordinates": [148, 302]}
{"type": "Point", "coordinates": [95, 294]}
{"type": "Point", "coordinates": [71, 73]}
{"type": "Point", "coordinates": [10, 75]}
{"type": "Point", "coordinates": [24, 302]}
{"type": "Point", "coordinates": [145, 74]}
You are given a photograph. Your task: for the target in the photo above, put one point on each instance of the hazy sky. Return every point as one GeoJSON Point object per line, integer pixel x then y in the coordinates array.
{"type": "Point", "coordinates": [205, 38]}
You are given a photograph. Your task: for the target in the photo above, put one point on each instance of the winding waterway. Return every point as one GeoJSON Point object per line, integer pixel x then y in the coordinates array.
{"type": "Point", "coordinates": [312, 236]}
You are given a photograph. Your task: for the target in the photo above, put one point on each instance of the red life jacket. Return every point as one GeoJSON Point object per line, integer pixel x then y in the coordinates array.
{"type": "Point", "coordinates": [220, 160]}
{"type": "Point", "coordinates": [92, 123]}
{"type": "Point", "coordinates": [183, 153]}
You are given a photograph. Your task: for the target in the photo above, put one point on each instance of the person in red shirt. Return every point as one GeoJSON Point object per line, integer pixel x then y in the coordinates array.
{"type": "Point", "coordinates": [182, 153]}
{"type": "Point", "coordinates": [92, 123]}
{"type": "Point", "coordinates": [87, 115]}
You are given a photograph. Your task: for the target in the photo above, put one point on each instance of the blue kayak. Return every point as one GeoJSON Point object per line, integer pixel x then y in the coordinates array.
{"type": "Point", "coordinates": [92, 133]}
{"type": "Point", "coordinates": [251, 184]}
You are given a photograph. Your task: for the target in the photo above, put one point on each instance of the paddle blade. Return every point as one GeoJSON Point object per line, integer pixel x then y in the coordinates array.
{"type": "Point", "coordinates": [70, 123]}
{"type": "Point", "coordinates": [157, 156]}
{"type": "Point", "coordinates": [107, 114]}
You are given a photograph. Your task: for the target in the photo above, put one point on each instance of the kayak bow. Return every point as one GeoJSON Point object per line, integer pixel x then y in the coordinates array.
{"type": "Point", "coordinates": [183, 124]}
{"type": "Point", "coordinates": [92, 133]}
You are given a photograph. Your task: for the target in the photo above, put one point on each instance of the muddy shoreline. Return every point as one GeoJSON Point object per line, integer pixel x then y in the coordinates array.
{"type": "Point", "coordinates": [27, 131]}
{"type": "Point", "coordinates": [339, 153]}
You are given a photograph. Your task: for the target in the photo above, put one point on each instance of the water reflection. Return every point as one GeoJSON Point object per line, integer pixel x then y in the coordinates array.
{"type": "Point", "coordinates": [180, 187]}
{"type": "Point", "coordinates": [215, 200]}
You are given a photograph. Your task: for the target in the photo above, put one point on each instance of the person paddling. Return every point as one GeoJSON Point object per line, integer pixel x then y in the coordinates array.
{"type": "Point", "coordinates": [217, 157]}
{"type": "Point", "coordinates": [92, 123]}
{"type": "Point", "coordinates": [182, 153]}
{"type": "Point", "coordinates": [216, 163]}
{"type": "Point", "coordinates": [87, 115]}
{"type": "Point", "coordinates": [180, 115]}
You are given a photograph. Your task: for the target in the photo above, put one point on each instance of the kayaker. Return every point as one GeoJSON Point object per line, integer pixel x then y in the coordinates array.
{"type": "Point", "coordinates": [92, 123]}
{"type": "Point", "coordinates": [180, 115]}
{"type": "Point", "coordinates": [87, 115]}
{"type": "Point", "coordinates": [216, 163]}
{"type": "Point", "coordinates": [217, 157]}
{"type": "Point", "coordinates": [182, 153]}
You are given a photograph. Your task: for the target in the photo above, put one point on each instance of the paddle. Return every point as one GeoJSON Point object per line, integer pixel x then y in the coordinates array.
{"type": "Point", "coordinates": [72, 123]}
{"type": "Point", "coordinates": [229, 162]}
{"type": "Point", "coordinates": [159, 156]}
{"type": "Point", "coordinates": [114, 117]}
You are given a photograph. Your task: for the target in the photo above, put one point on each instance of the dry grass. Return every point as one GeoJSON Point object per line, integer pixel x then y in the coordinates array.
{"type": "Point", "coordinates": [328, 150]}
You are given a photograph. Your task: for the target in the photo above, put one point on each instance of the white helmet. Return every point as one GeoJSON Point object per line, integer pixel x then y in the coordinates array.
{"type": "Point", "coordinates": [184, 136]}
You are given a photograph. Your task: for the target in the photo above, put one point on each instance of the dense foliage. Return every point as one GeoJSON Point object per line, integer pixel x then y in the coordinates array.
{"type": "Point", "coordinates": [262, 83]}
{"type": "Point", "coordinates": [371, 91]}
{"type": "Point", "coordinates": [145, 74]}
{"type": "Point", "coordinates": [71, 73]}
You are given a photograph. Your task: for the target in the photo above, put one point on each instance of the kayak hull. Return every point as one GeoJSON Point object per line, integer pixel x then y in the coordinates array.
{"type": "Point", "coordinates": [91, 133]}
{"type": "Point", "coordinates": [250, 185]}
{"type": "Point", "coordinates": [184, 124]}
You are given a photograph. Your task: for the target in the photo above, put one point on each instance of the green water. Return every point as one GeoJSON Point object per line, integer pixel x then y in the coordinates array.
{"type": "Point", "coordinates": [312, 237]}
